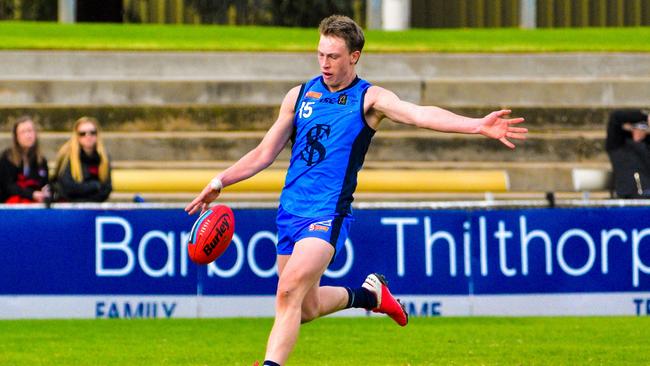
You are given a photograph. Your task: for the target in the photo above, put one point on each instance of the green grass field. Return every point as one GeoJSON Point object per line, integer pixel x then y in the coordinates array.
{"type": "Point", "coordinates": [330, 341]}
{"type": "Point", "coordinates": [41, 35]}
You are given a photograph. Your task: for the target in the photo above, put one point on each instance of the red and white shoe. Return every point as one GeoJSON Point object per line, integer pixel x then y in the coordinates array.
{"type": "Point", "coordinates": [386, 303]}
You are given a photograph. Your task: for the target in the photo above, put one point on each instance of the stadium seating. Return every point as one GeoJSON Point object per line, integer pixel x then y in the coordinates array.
{"type": "Point", "coordinates": [203, 111]}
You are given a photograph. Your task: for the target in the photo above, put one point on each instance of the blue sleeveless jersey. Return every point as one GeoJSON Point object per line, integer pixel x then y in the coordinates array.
{"type": "Point", "coordinates": [330, 141]}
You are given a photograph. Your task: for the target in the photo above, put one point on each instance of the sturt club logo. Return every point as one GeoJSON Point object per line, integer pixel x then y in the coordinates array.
{"type": "Point", "coordinates": [315, 152]}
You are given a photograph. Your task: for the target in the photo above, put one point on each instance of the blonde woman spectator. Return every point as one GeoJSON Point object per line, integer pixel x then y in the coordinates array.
{"type": "Point", "coordinates": [23, 170]}
{"type": "Point", "coordinates": [83, 172]}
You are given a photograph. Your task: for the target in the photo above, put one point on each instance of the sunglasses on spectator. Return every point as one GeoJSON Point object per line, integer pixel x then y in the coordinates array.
{"type": "Point", "coordinates": [86, 133]}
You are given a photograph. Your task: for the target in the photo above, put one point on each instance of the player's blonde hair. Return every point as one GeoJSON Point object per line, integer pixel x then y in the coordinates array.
{"type": "Point", "coordinates": [69, 153]}
{"type": "Point", "coordinates": [344, 28]}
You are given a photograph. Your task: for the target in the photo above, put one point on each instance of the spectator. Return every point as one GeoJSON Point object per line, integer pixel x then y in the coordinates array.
{"type": "Point", "coordinates": [23, 170]}
{"type": "Point", "coordinates": [83, 172]}
{"type": "Point", "coordinates": [628, 147]}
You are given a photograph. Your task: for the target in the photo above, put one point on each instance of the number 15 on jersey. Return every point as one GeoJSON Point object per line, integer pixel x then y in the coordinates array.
{"type": "Point", "coordinates": [306, 109]}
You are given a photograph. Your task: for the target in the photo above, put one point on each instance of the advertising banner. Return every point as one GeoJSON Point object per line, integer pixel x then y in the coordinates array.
{"type": "Point", "coordinates": [132, 262]}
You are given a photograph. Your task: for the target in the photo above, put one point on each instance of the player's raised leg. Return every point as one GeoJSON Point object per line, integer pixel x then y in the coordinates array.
{"type": "Point", "coordinates": [301, 272]}
{"type": "Point", "coordinates": [373, 294]}
{"type": "Point", "coordinates": [320, 300]}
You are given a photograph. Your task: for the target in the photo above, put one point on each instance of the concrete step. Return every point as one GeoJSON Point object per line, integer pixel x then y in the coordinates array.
{"type": "Point", "coordinates": [416, 145]}
{"type": "Point", "coordinates": [549, 92]}
{"type": "Point", "coordinates": [394, 164]}
{"type": "Point", "coordinates": [175, 117]}
{"type": "Point", "coordinates": [462, 80]}
{"type": "Point", "coordinates": [155, 92]}
{"type": "Point", "coordinates": [184, 117]}
{"type": "Point", "coordinates": [456, 199]}
{"type": "Point", "coordinates": [459, 92]}
{"type": "Point", "coordinates": [201, 66]}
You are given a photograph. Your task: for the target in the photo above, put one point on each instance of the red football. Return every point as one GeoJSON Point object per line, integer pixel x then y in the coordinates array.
{"type": "Point", "coordinates": [211, 234]}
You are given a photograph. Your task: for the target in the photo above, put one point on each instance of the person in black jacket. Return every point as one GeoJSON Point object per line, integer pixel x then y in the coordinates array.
{"type": "Point", "coordinates": [628, 147]}
{"type": "Point", "coordinates": [23, 170]}
{"type": "Point", "coordinates": [83, 172]}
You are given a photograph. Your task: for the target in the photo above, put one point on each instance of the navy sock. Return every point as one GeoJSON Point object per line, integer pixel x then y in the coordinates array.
{"type": "Point", "coordinates": [270, 363]}
{"type": "Point", "coordinates": [361, 298]}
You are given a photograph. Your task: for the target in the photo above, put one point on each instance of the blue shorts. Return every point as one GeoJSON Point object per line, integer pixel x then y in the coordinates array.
{"type": "Point", "coordinates": [333, 229]}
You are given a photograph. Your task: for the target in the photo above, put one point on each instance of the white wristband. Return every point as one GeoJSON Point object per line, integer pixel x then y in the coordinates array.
{"type": "Point", "coordinates": [216, 184]}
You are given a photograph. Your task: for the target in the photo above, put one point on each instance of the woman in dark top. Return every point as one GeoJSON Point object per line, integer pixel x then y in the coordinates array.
{"type": "Point", "coordinates": [23, 170]}
{"type": "Point", "coordinates": [83, 171]}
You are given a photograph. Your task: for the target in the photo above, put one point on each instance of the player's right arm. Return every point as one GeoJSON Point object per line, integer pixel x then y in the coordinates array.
{"type": "Point", "coordinates": [255, 160]}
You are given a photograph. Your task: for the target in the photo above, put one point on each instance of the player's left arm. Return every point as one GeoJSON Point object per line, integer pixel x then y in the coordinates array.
{"type": "Point", "coordinates": [495, 125]}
